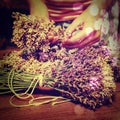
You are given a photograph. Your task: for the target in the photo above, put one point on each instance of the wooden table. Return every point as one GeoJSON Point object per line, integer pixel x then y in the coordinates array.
{"type": "Point", "coordinates": [65, 111]}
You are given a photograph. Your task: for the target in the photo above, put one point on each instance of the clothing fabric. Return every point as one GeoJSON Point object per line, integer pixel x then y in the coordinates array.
{"type": "Point", "coordinates": [64, 12]}
{"type": "Point", "coordinates": [109, 30]}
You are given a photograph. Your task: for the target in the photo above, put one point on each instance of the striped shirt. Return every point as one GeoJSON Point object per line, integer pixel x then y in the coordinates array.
{"type": "Point", "coordinates": [65, 10]}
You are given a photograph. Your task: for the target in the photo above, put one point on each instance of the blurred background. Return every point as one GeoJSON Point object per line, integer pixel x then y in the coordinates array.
{"type": "Point", "coordinates": [6, 20]}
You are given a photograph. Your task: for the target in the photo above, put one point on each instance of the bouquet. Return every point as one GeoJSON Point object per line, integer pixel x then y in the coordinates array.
{"type": "Point", "coordinates": [83, 76]}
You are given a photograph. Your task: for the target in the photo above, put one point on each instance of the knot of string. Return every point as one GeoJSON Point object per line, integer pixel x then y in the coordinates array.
{"type": "Point", "coordinates": [32, 85]}
{"type": "Point", "coordinates": [38, 79]}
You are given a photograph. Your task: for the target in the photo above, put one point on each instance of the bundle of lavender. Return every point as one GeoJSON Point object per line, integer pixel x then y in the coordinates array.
{"type": "Point", "coordinates": [84, 75]}
{"type": "Point", "coordinates": [32, 32]}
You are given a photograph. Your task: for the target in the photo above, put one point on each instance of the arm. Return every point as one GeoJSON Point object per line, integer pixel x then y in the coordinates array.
{"type": "Point", "coordinates": [86, 36]}
{"type": "Point", "coordinates": [38, 8]}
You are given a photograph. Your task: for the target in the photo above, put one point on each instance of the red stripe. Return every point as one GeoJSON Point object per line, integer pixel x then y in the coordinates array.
{"type": "Point", "coordinates": [58, 2]}
{"type": "Point", "coordinates": [64, 10]}
{"type": "Point", "coordinates": [67, 14]}
{"type": "Point", "coordinates": [60, 19]}
{"type": "Point", "coordinates": [66, 6]}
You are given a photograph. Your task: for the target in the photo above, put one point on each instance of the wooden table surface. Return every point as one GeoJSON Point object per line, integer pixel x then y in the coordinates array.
{"type": "Point", "coordinates": [65, 111]}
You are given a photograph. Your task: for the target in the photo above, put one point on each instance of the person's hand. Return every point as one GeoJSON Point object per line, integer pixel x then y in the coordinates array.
{"type": "Point", "coordinates": [82, 31]}
{"type": "Point", "coordinates": [55, 34]}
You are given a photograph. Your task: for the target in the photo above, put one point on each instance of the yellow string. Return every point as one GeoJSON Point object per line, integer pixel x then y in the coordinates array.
{"type": "Point", "coordinates": [20, 96]}
{"type": "Point", "coordinates": [63, 101]}
{"type": "Point", "coordinates": [32, 102]}
{"type": "Point", "coordinates": [10, 85]}
{"type": "Point", "coordinates": [18, 105]}
{"type": "Point", "coordinates": [51, 98]}
{"type": "Point", "coordinates": [40, 79]}
{"type": "Point", "coordinates": [24, 96]}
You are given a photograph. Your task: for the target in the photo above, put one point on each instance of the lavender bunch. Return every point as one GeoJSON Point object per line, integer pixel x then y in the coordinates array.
{"type": "Point", "coordinates": [85, 76]}
{"type": "Point", "coordinates": [30, 32]}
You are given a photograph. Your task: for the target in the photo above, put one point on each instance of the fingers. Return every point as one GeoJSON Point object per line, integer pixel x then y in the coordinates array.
{"type": "Point", "coordinates": [72, 29]}
{"type": "Point", "coordinates": [74, 40]}
{"type": "Point", "coordinates": [74, 35]}
{"type": "Point", "coordinates": [83, 40]}
{"type": "Point", "coordinates": [80, 37]}
{"type": "Point", "coordinates": [90, 40]}
{"type": "Point", "coordinates": [53, 39]}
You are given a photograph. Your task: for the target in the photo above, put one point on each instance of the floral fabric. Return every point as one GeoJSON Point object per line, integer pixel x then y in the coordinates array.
{"type": "Point", "coordinates": [109, 30]}
{"type": "Point", "coordinates": [108, 25]}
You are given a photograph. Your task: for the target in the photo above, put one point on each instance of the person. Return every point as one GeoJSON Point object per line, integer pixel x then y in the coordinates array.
{"type": "Point", "coordinates": [86, 22]}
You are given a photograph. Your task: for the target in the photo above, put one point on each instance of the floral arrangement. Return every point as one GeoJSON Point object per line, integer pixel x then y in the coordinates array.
{"type": "Point", "coordinates": [84, 76]}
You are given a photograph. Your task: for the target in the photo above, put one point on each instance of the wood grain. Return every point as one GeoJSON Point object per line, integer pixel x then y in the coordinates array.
{"type": "Point", "coordinates": [65, 111]}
